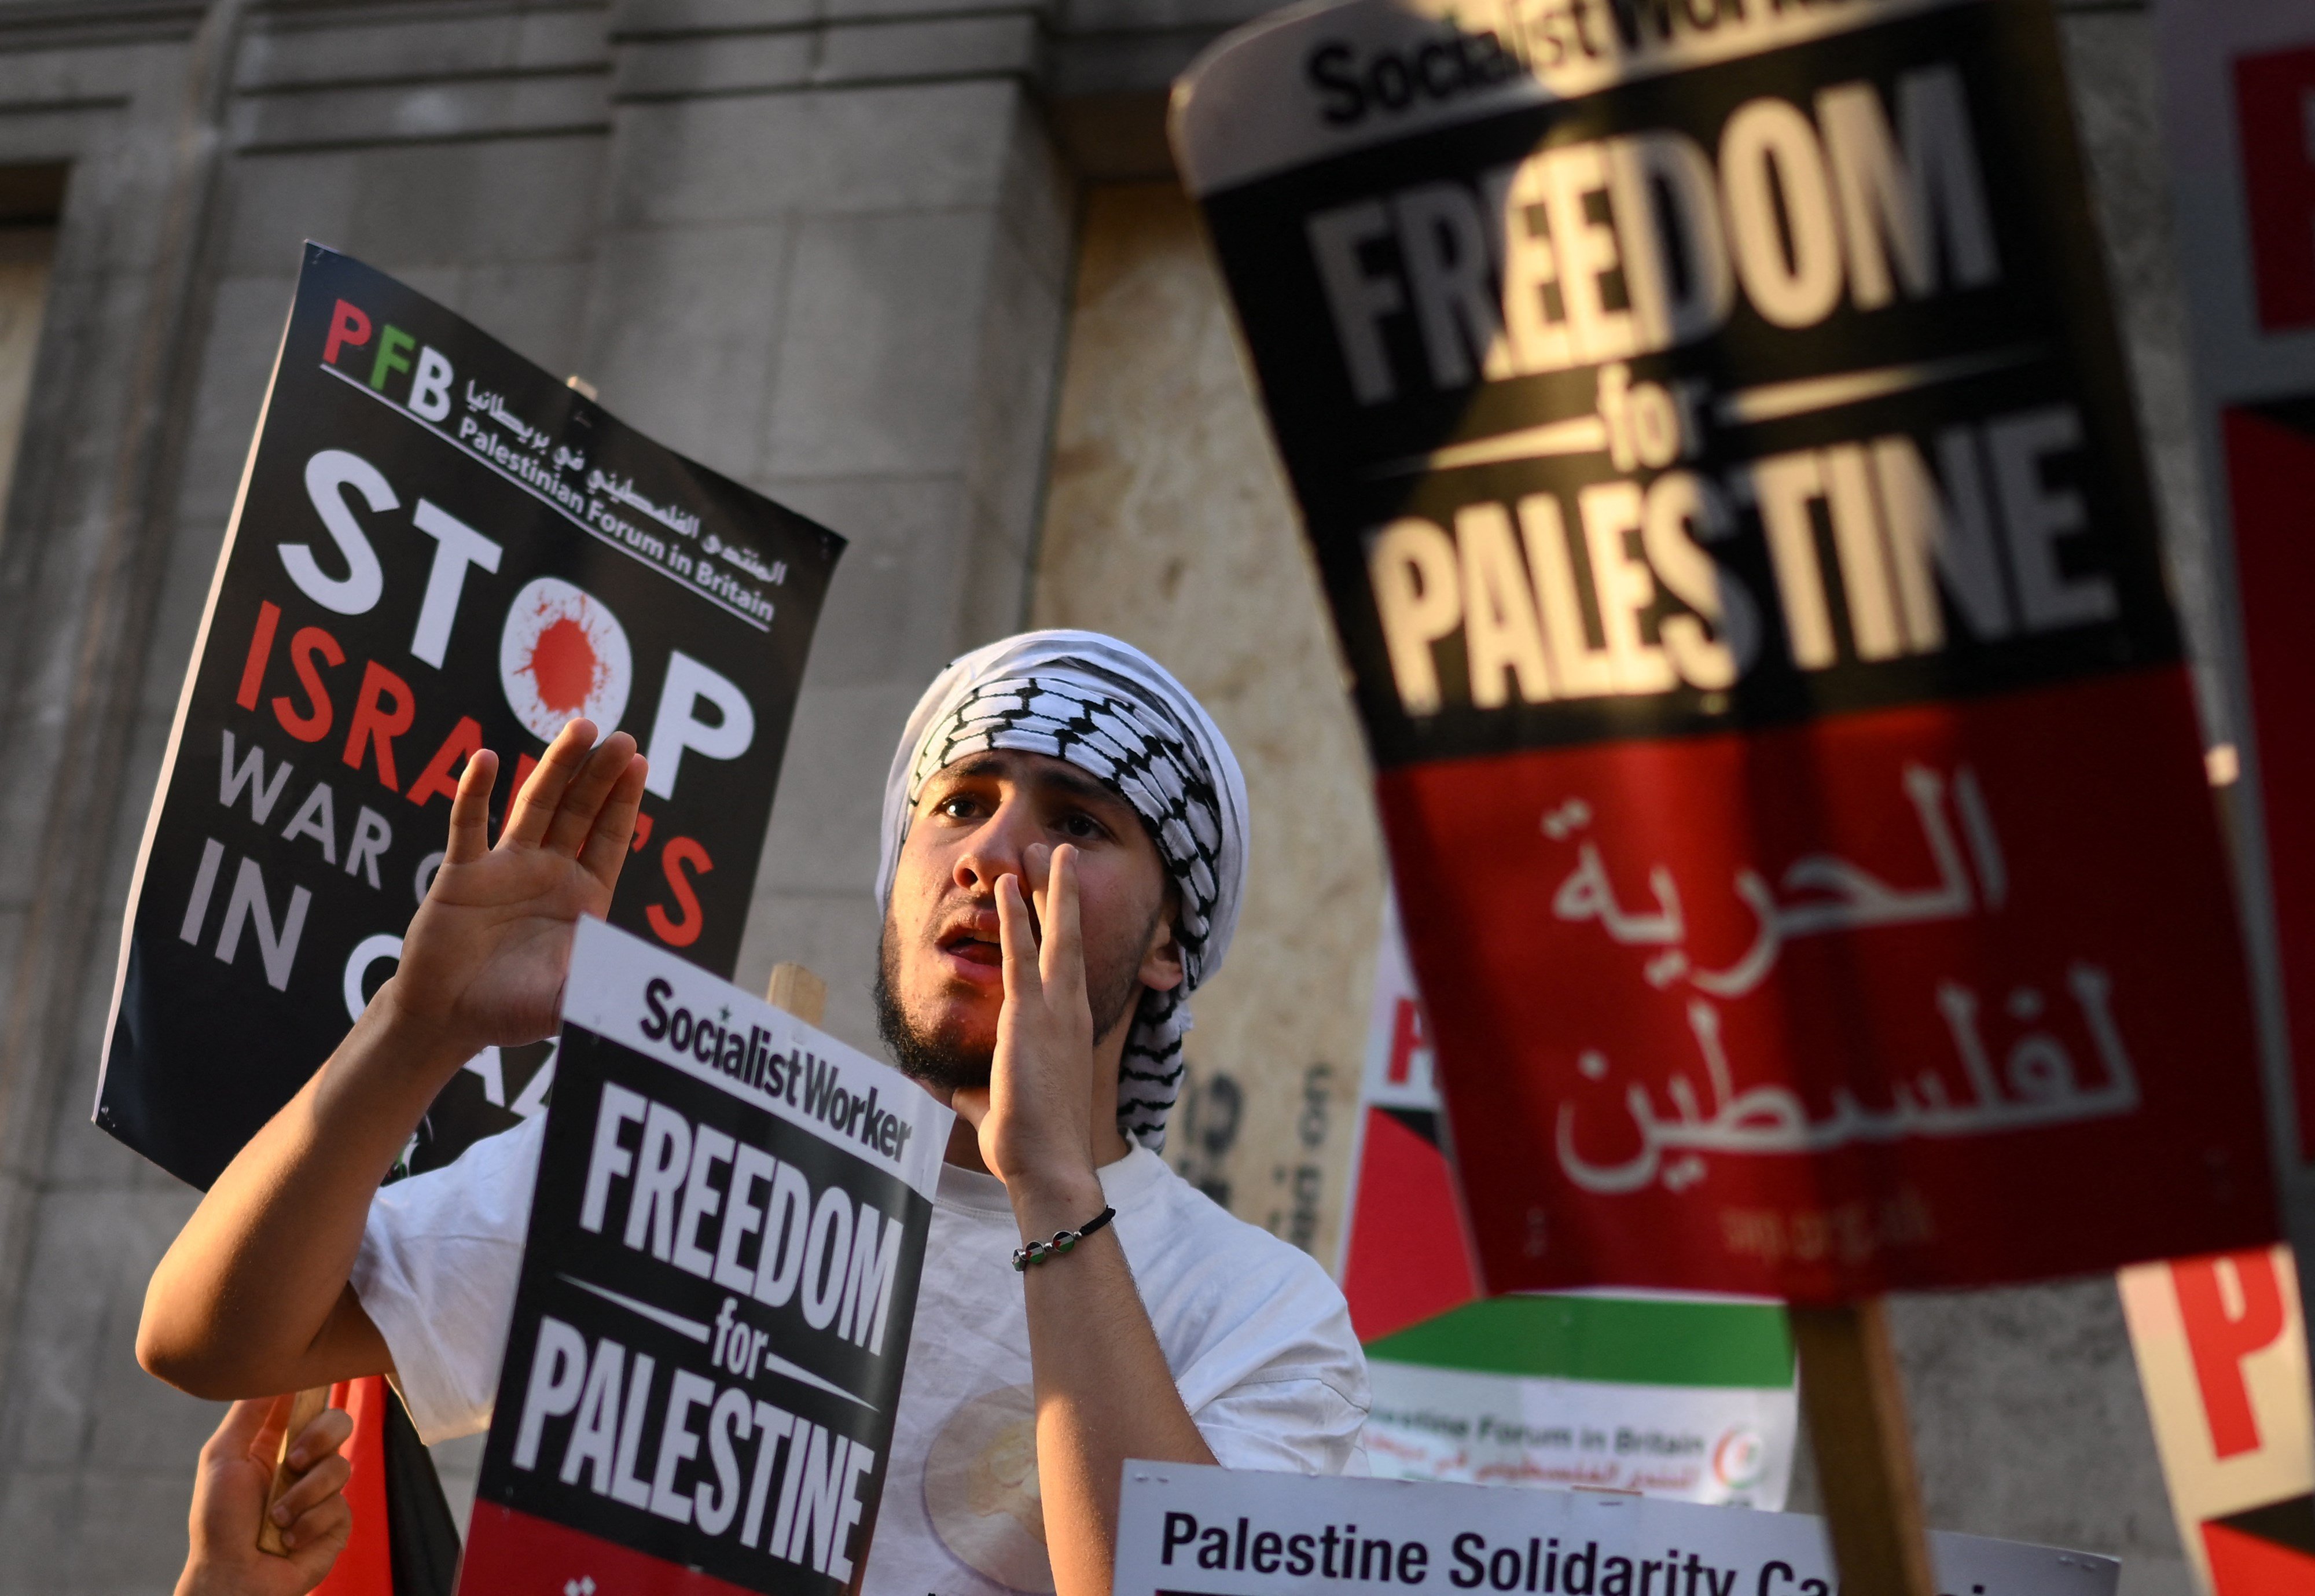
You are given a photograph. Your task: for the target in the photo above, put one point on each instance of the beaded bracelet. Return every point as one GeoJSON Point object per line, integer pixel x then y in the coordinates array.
{"type": "Point", "coordinates": [1037, 1252]}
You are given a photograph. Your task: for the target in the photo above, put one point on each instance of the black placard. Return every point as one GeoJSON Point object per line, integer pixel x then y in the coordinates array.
{"type": "Point", "coordinates": [437, 546]}
{"type": "Point", "coordinates": [717, 1288]}
{"type": "Point", "coordinates": [1711, 428]}
{"type": "Point", "coordinates": [1940, 298]}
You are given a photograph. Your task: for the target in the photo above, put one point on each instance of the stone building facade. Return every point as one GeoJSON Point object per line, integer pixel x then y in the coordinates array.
{"type": "Point", "coordinates": [916, 267]}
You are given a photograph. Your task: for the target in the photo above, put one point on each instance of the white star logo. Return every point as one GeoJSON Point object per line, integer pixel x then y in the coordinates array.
{"type": "Point", "coordinates": [582, 1586]}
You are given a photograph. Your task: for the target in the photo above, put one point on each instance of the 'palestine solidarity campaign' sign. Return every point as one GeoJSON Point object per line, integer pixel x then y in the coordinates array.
{"type": "Point", "coordinates": [1722, 470]}
{"type": "Point", "coordinates": [1187, 1529]}
{"type": "Point", "coordinates": [437, 548]}
{"type": "Point", "coordinates": [716, 1293]}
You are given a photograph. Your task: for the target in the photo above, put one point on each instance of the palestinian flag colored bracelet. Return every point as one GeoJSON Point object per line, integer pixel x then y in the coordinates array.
{"type": "Point", "coordinates": [1037, 1252]}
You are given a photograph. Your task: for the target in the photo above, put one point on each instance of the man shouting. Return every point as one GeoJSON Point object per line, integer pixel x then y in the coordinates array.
{"type": "Point", "coordinates": [1064, 857]}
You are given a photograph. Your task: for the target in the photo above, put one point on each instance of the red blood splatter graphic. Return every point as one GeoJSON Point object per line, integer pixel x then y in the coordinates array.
{"type": "Point", "coordinates": [563, 666]}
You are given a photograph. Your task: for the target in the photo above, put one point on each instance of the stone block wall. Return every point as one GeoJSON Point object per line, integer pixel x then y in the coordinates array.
{"type": "Point", "coordinates": [823, 250]}
{"type": "Point", "coordinates": [826, 246]}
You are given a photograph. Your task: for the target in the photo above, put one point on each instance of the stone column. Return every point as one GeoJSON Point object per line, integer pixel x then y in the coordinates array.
{"type": "Point", "coordinates": [833, 265]}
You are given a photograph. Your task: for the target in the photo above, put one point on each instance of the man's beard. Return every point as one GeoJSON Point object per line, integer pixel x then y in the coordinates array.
{"type": "Point", "coordinates": [944, 1060]}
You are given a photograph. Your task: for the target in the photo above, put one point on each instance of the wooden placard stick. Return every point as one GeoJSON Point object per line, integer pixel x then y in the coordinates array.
{"type": "Point", "coordinates": [1855, 1408]}
{"type": "Point", "coordinates": [303, 1408]}
{"type": "Point", "coordinates": [799, 991]}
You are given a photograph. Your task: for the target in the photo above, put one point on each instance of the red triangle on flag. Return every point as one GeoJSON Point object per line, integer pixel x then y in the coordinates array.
{"type": "Point", "coordinates": [1408, 1255]}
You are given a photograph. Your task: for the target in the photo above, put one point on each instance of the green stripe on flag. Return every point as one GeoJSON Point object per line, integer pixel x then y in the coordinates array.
{"type": "Point", "coordinates": [1623, 1339]}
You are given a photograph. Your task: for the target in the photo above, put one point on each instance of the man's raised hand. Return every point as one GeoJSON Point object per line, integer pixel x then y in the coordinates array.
{"type": "Point", "coordinates": [1035, 1118]}
{"type": "Point", "coordinates": [252, 1295]}
{"type": "Point", "coordinates": [483, 960]}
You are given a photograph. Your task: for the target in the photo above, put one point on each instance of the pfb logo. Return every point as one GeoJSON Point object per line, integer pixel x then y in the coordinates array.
{"type": "Point", "coordinates": [1740, 1457]}
{"type": "Point", "coordinates": [564, 653]}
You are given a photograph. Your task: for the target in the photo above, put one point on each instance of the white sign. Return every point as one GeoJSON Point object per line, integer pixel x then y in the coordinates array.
{"type": "Point", "coordinates": [1731, 1445]}
{"type": "Point", "coordinates": [2222, 1356]}
{"type": "Point", "coordinates": [1399, 1058]}
{"type": "Point", "coordinates": [1191, 1530]}
{"type": "Point", "coordinates": [646, 999]}
{"type": "Point", "coordinates": [1671, 1395]}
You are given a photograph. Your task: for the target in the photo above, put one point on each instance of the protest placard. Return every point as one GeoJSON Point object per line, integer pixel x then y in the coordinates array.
{"type": "Point", "coordinates": [437, 547]}
{"type": "Point", "coordinates": [1407, 1246]}
{"type": "Point", "coordinates": [1186, 1531]}
{"type": "Point", "coordinates": [2238, 80]}
{"type": "Point", "coordinates": [716, 1292]}
{"type": "Point", "coordinates": [2221, 1350]}
{"type": "Point", "coordinates": [1712, 435]}
{"type": "Point", "coordinates": [1678, 1396]}
{"type": "Point", "coordinates": [2221, 1341]}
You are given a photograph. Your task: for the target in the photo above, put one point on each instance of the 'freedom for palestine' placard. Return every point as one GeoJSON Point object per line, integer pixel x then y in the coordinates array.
{"type": "Point", "coordinates": [1711, 430]}
{"type": "Point", "coordinates": [716, 1294]}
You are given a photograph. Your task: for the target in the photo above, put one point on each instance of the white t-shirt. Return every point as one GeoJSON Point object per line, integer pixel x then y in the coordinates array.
{"type": "Point", "coordinates": [1257, 1337]}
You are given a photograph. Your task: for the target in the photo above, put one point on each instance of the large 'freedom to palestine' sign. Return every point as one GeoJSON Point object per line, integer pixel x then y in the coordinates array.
{"type": "Point", "coordinates": [1720, 465]}
{"type": "Point", "coordinates": [437, 548]}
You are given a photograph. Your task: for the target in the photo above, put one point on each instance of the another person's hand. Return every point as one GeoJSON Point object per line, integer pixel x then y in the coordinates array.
{"type": "Point", "coordinates": [483, 960]}
{"type": "Point", "coordinates": [235, 1471]}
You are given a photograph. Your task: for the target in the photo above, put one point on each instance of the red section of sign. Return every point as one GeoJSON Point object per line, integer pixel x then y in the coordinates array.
{"type": "Point", "coordinates": [1408, 1257]}
{"type": "Point", "coordinates": [1939, 995]}
{"type": "Point", "coordinates": [2220, 1333]}
{"type": "Point", "coordinates": [2268, 1551]}
{"type": "Point", "coordinates": [2271, 482]}
{"type": "Point", "coordinates": [509, 1552]}
{"type": "Point", "coordinates": [2275, 105]}
{"type": "Point", "coordinates": [366, 1567]}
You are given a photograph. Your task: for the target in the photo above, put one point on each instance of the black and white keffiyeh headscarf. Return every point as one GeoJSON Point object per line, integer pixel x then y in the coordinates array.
{"type": "Point", "coordinates": [1112, 711]}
